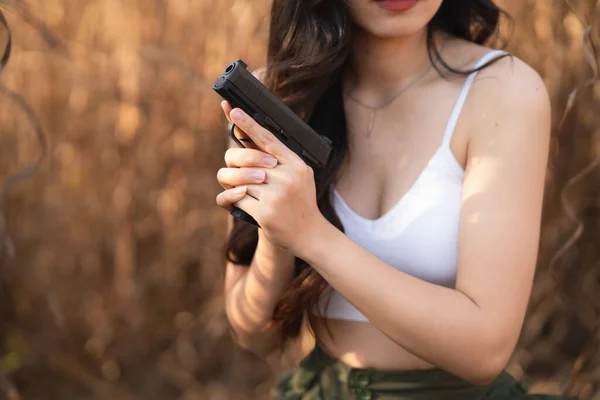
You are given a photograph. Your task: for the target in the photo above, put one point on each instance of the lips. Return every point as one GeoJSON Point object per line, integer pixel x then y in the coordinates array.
{"type": "Point", "coordinates": [396, 5]}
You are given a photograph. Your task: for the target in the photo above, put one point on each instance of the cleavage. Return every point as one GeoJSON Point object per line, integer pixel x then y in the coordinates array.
{"type": "Point", "coordinates": [381, 169]}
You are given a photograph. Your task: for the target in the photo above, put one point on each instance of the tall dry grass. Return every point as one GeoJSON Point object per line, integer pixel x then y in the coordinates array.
{"type": "Point", "coordinates": [110, 254]}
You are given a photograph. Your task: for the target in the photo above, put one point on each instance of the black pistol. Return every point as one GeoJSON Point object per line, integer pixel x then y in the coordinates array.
{"type": "Point", "coordinates": [242, 90]}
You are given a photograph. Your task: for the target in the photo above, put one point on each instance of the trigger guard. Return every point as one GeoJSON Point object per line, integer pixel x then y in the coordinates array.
{"type": "Point", "coordinates": [231, 129]}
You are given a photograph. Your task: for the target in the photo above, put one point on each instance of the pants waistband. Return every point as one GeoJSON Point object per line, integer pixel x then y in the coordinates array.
{"type": "Point", "coordinates": [364, 379]}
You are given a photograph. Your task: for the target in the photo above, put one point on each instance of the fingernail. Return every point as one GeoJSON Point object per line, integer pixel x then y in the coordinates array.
{"type": "Point", "coordinates": [258, 176]}
{"type": "Point", "coordinates": [237, 115]}
{"type": "Point", "coordinates": [239, 190]}
{"type": "Point", "coordinates": [270, 161]}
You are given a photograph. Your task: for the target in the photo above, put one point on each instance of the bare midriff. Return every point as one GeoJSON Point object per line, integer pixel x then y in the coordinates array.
{"type": "Point", "coordinates": [362, 345]}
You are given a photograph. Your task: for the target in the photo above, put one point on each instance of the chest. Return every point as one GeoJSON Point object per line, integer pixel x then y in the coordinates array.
{"type": "Point", "coordinates": [390, 148]}
{"type": "Point", "coordinates": [419, 234]}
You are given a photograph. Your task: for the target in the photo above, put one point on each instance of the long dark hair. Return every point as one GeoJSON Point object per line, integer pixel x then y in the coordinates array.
{"type": "Point", "coordinates": [309, 45]}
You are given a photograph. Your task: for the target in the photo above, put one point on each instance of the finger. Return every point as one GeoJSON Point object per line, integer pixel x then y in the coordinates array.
{"type": "Point", "coordinates": [251, 206]}
{"type": "Point", "coordinates": [231, 177]}
{"type": "Point", "coordinates": [226, 106]}
{"type": "Point", "coordinates": [236, 157]}
{"type": "Point", "coordinates": [226, 109]}
{"type": "Point", "coordinates": [227, 198]}
{"type": "Point", "coordinates": [241, 135]}
{"type": "Point", "coordinates": [264, 139]}
{"type": "Point", "coordinates": [254, 191]}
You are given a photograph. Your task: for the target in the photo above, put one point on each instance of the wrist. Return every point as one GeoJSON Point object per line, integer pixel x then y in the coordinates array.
{"type": "Point", "coordinates": [272, 250]}
{"type": "Point", "coordinates": [309, 244]}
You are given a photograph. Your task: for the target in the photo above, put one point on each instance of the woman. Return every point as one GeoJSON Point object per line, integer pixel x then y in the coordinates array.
{"type": "Point", "coordinates": [413, 253]}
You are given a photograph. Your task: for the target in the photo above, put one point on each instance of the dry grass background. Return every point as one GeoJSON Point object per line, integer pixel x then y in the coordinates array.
{"type": "Point", "coordinates": [110, 255]}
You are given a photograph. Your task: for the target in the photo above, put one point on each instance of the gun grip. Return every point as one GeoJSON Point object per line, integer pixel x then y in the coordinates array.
{"type": "Point", "coordinates": [243, 216]}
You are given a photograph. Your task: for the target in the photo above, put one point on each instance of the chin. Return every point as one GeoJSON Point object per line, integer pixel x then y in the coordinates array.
{"type": "Point", "coordinates": [378, 21]}
{"type": "Point", "coordinates": [387, 30]}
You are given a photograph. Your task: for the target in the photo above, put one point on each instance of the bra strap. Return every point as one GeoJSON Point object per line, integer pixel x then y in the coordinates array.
{"type": "Point", "coordinates": [462, 97]}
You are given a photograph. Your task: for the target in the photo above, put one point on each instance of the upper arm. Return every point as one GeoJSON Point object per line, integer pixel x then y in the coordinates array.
{"type": "Point", "coordinates": [503, 194]}
{"type": "Point", "coordinates": [235, 272]}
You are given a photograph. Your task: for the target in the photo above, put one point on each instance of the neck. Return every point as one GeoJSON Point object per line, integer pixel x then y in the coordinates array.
{"type": "Point", "coordinates": [382, 64]}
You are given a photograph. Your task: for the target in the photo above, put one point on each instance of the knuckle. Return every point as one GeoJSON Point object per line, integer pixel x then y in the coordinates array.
{"type": "Point", "coordinates": [269, 143]}
{"type": "Point", "coordinates": [310, 172]}
{"type": "Point", "coordinates": [261, 156]}
{"type": "Point", "coordinates": [251, 174]}
{"type": "Point", "coordinates": [254, 159]}
{"type": "Point", "coordinates": [287, 181]}
{"type": "Point", "coordinates": [299, 170]}
{"type": "Point", "coordinates": [258, 154]}
{"type": "Point", "coordinates": [267, 137]}
{"type": "Point", "coordinates": [292, 182]}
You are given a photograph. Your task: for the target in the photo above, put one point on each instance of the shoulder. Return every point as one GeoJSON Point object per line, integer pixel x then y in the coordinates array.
{"type": "Point", "coordinates": [506, 84]}
{"type": "Point", "coordinates": [510, 85]}
{"type": "Point", "coordinates": [508, 97]}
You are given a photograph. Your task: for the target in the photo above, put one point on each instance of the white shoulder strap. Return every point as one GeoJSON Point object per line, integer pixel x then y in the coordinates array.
{"type": "Point", "coordinates": [462, 97]}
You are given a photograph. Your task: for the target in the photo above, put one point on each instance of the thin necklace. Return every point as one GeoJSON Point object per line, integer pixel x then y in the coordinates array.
{"type": "Point", "coordinates": [402, 90]}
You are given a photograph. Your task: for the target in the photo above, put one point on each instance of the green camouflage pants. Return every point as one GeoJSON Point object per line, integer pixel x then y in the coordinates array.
{"type": "Point", "coordinates": [320, 376]}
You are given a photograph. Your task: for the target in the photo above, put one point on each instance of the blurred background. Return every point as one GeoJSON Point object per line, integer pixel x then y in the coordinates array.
{"type": "Point", "coordinates": [111, 270]}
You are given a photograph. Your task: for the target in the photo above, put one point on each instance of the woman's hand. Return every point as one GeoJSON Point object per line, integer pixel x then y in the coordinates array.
{"type": "Point", "coordinates": [284, 201]}
{"type": "Point", "coordinates": [245, 166]}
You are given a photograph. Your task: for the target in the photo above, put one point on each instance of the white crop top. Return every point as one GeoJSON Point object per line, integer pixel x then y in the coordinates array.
{"type": "Point", "coordinates": [418, 235]}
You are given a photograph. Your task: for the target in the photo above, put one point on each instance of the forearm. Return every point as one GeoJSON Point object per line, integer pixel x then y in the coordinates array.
{"type": "Point", "coordinates": [251, 302]}
{"type": "Point", "coordinates": [440, 325]}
